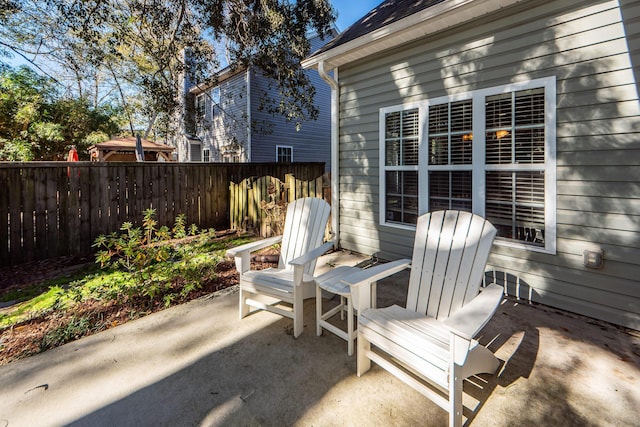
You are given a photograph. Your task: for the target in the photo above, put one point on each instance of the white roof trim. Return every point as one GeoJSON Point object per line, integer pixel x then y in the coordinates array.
{"type": "Point", "coordinates": [420, 24]}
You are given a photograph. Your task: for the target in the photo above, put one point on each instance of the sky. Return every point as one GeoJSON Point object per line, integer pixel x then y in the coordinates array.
{"type": "Point", "coordinates": [349, 11]}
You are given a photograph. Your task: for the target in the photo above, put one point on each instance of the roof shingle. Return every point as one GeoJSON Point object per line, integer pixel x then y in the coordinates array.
{"type": "Point", "coordinates": [385, 13]}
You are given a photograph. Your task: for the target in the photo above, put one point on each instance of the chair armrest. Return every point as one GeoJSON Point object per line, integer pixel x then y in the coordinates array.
{"type": "Point", "coordinates": [361, 295]}
{"type": "Point", "coordinates": [253, 246]}
{"type": "Point", "coordinates": [242, 253]}
{"type": "Point", "coordinates": [373, 274]}
{"type": "Point", "coordinates": [305, 259]}
{"type": "Point", "coordinates": [471, 318]}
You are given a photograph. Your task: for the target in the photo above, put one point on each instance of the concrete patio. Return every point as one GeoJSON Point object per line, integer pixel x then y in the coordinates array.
{"type": "Point", "coordinates": [198, 365]}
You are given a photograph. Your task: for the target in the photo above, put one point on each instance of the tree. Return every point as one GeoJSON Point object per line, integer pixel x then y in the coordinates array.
{"type": "Point", "coordinates": [36, 123]}
{"type": "Point", "coordinates": [145, 48]}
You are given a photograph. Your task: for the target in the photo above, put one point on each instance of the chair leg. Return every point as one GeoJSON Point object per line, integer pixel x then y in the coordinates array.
{"type": "Point", "coordinates": [455, 396]}
{"type": "Point", "coordinates": [244, 307]}
{"type": "Point", "coordinates": [363, 362]}
{"type": "Point", "coordinates": [318, 310]}
{"type": "Point", "coordinates": [374, 295]}
{"type": "Point", "coordinates": [350, 334]}
{"type": "Point", "coordinates": [298, 317]}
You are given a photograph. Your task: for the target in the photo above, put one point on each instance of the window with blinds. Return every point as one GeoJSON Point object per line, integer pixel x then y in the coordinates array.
{"type": "Point", "coordinates": [401, 141]}
{"type": "Point", "coordinates": [450, 149]}
{"type": "Point", "coordinates": [401, 138]}
{"type": "Point", "coordinates": [515, 127]}
{"type": "Point", "coordinates": [450, 190]}
{"type": "Point", "coordinates": [515, 138]}
{"type": "Point", "coordinates": [500, 166]}
{"type": "Point", "coordinates": [402, 197]}
{"type": "Point", "coordinates": [450, 133]}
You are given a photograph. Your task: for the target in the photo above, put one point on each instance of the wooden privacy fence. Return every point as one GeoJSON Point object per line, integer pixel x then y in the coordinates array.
{"type": "Point", "coordinates": [247, 198]}
{"type": "Point", "coordinates": [51, 209]}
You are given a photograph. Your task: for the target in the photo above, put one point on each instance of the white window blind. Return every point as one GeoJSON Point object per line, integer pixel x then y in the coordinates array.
{"type": "Point", "coordinates": [402, 138]}
{"type": "Point", "coordinates": [515, 137]}
{"type": "Point", "coordinates": [401, 154]}
{"type": "Point", "coordinates": [450, 145]}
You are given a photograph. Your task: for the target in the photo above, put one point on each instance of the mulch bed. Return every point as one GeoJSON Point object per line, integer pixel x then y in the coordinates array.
{"type": "Point", "coordinates": [25, 339]}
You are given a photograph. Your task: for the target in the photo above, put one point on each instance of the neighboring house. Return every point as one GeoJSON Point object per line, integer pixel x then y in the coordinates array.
{"type": "Point", "coordinates": [525, 112]}
{"type": "Point", "coordinates": [218, 121]}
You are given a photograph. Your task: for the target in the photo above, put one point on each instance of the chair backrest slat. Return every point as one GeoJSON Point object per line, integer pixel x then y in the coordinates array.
{"type": "Point", "coordinates": [304, 228]}
{"type": "Point", "coordinates": [450, 253]}
{"type": "Point", "coordinates": [423, 261]}
{"type": "Point", "coordinates": [455, 266]}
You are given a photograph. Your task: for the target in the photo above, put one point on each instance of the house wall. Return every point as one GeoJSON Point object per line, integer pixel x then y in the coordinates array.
{"type": "Point", "coordinates": [592, 50]}
{"type": "Point", "coordinates": [312, 142]}
{"type": "Point", "coordinates": [229, 122]}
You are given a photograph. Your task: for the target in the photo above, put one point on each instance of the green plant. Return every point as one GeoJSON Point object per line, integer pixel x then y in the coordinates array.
{"type": "Point", "coordinates": [134, 249]}
{"type": "Point", "coordinates": [179, 230]}
{"type": "Point", "coordinates": [77, 327]}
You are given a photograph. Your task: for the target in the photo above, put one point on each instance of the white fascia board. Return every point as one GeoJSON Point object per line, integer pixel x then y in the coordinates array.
{"type": "Point", "coordinates": [421, 24]}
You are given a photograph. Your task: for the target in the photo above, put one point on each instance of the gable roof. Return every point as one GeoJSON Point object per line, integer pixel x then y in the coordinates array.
{"type": "Point", "coordinates": [396, 22]}
{"type": "Point", "coordinates": [385, 13]}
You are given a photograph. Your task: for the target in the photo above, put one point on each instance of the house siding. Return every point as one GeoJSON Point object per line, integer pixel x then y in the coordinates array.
{"type": "Point", "coordinates": [230, 123]}
{"type": "Point", "coordinates": [592, 50]}
{"type": "Point", "coordinates": [241, 96]}
{"type": "Point", "coordinates": [311, 143]}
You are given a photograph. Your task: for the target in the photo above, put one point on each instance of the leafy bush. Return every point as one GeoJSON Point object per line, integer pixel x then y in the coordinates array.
{"type": "Point", "coordinates": [134, 249]}
{"type": "Point", "coordinates": [153, 262]}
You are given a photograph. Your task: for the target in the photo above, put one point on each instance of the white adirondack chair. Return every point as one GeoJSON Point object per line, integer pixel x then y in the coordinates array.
{"type": "Point", "coordinates": [429, 344]}
{"type": "Point", "coordinates": [292, 281]}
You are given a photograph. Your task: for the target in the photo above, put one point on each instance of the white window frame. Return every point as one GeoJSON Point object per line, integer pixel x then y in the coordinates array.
{"type": "Point", "coordinates": [479, 168]}
{"type": "Point", "coordinates": [383, 166]}
{"type": "Point", "coordinates": [278, 147]}
{"type": "Point", "coordinates": [206, 154]}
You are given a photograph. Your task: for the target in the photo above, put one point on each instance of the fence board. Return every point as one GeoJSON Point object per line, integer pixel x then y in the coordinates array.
{"type": "Point", "coordinates": [28, 203]}
{"type": "Point", "coordinates": [40, 190]}
{"type": "Point", "coordinates": [51, 197]}
{"type": "Point", "coordinates": [4, 216]}
{"type": "Point", "coordinates": [70, 218]}
{"type": "Point", "coordinates": [85, 210]}
{"type": "Point", "coordinates": [15, 224]}
{"type": "Point", "coordinates": [57, 208]}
